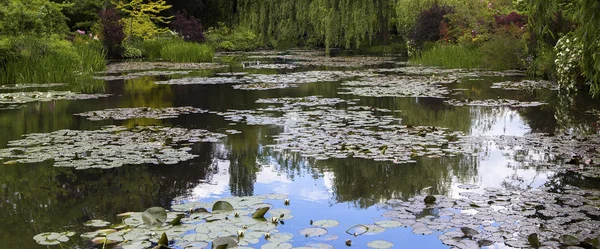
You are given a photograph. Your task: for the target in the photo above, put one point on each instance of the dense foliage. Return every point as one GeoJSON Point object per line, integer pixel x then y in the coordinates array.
{"type": "Point", "coordinates": [501, 34]}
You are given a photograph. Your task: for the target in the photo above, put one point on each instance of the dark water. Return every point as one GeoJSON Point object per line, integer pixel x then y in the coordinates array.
{"type": "Point", "coordinates": [39, 198]}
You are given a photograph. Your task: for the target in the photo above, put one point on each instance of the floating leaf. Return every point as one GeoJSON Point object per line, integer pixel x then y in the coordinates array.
{"type": "Point", "coordinates": [97, 223]}
{"type": "Point", "coordinates": [51, 238]}
{"type": "Point", "coordinates": [313, 231]}
{"type": "Point", "coordinates": [326, 223]}
{"type": "Point", "coordinates": [260, 212]}
{"type": "Point", "coordinates": [569, 240]}
{"type": "Point", "coordinates": [388, 223]}
{"type": "Point", "coordinates": [485, 242]}
{"type": "Point", "coordinates": [222, 206]}
{"type": "Point", "coordinates": [103, 241]}
{"type": "Point", "coordinates": [154, 216]}
{"type": "Point", "coordinates": [380, 244]}
{"type": "Point", "coordinates": [276, 245]}
{"type": "Point", "coordinates": [135, 244]}
{"type": "Point", "coordinates": [469, 232]}
{"type": "Point", "coordinates": [595, 243]}
{"type": "Point", "coordinates": [224, 242]}
{"type": "Point", "coordinates": [533, 240]}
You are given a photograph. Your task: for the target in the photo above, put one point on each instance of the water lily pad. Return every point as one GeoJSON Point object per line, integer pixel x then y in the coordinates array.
{"type": "Point", "coordinates": [389, 223]}
{"type": "Point", "coordinates": [276, 245]}
{"type": "Point", "coordinates": [135, 244]}
{"type": "Point", "coordinates": [224, 242]}
{"type": "Point", "coordinates": [97, 223]}
{"type": "Point", "coordinates": [222, 206]}
{"type": "Point", "coordinates": [154, 216]}
{"type": "Point", "coordinates": [326, 223]}
{"type": "Point", "coordinates": [260, 212]}
{"type": "Point", "coordinates": [140, 112]}
{"type": "Point", "coordinates": [380, 244]}
{"type": "Point", "coordinates": [313, 232]}
{"type": "Point", "coordinates": [51, 238]}
{"type": "Point", "coordinates": [569, 240]}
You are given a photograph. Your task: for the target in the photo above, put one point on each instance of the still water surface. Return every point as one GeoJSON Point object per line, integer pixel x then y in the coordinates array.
{"type": "Point", "coordinates": [37, 198]}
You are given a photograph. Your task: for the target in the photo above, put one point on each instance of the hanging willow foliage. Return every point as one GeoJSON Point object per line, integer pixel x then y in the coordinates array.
{"type": "Point", "coordinates": [332, 23]}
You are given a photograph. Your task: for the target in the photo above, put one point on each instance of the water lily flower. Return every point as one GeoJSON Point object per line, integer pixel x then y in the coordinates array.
{"type": "Point", "coordinates": [80, 32]}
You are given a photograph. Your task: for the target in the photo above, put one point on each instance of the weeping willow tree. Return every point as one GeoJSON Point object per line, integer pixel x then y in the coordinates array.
{"type": "Point", "coordinates": [576, 18]}
{"type": "Point", "coordinates": [329, 23]}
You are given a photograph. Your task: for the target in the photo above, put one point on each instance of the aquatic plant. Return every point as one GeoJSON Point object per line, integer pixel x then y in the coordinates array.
{"type": "Point", "coordinates": [140, 112]}
{"type": "Point", "coordinates": [449, 56]}
{"type": "Point", "coordinates": [186, 52]}
{"type": "Point", "coordinates": [109, 147]}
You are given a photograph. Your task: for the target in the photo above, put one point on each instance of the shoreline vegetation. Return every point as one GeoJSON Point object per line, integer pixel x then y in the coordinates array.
{"type": "Point", "coordinates": [49, 42]}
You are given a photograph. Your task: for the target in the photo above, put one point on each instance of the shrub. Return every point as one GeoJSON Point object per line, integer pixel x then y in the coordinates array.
{"type": "Point", "coordinates": [112, 31]}
{"type": "Point", "coordinates": [131, 52]}
{"type": "Point", "coordinates": [188, 27]}
{"type": "Point", "coordinates": [449, 56]}
{"type": "Point", "coordinates": [429, 24]}
{"type": "Point", "coordinates": [186, 52]}
{"type": "Point", "coordinates": [503, 51]}
{"type": "Point", "coordinates": [543, 65]}
{"type": "Point", "coordinates": [240, 38]}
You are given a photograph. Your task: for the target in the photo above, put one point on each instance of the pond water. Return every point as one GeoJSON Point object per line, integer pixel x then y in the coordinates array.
{"type": "Point", "coordinates": [277, 146]}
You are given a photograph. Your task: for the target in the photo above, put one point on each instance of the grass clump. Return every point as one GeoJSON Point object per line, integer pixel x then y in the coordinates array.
{"type": "Point", "coordinates": [449, 56]}
{"type": "Point", "coordinates": [186, 52]}
{"type": "Point", "coordinates": [31, 59]}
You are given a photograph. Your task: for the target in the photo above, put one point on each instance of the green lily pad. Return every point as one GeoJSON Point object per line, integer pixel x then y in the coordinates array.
{"type": "Point", "coordinates": [276, 245]}
{"type": "Point", "coordinates": [224, 242]}
{"type": "Point", "coordinates": [154, 216]}
{"type": "Point", "coordinates": [534, 241]}
{"type": "Point", "coordinates": [389, 223]}
{"type": "Point", "coordinates": [260, 212]}
{"type": "Point", "coordinates": [326, 223]}
{"type": "Point", "coordinates": [222, 206]}
{"type": "Point", "coordinates": [135, 244]}
{"type": "Point", "coordinates": [569, 240]}
{"type": "Point", "coordinates": [51, 238]}
{"type": "Point", "coordinates": [313, 232]}
{"type": "Point", "coordinates": [380, 244]}
{"type": "Point", "coordinates": [96, 223]}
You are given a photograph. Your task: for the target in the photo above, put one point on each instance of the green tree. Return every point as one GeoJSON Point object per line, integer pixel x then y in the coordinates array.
{"type": "Point", "coordinates": [143, 17]}
{"type": "Point", "coordinates": [34, 16]}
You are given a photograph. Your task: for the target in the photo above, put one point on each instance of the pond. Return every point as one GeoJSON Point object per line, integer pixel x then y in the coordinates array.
{"type": "Point", "coordinates": [347, 140]}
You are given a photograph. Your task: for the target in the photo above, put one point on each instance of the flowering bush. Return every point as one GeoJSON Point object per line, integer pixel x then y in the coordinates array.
{"type": "Point", "coordinates": [568, 55]}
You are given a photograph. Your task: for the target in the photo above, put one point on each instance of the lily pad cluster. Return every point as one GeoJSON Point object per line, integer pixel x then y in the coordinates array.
{"type": "Point", "coordinates": [201, 81]}
{"type": "Point", "coordinates": [398, 86]}
{"type": "Point", "coordinates": [27, 97]}
{"type": "Point", "coordinates": [236, 221]}
{"type": "Point", "coordinates": [497, 216]}
{"type": "Point", "coordinates": [303, 101]}
{"type": "Point", "coordinates": [579, 154]}
{"type": "Point", "coordinates": [140, 74]}
{"type": "Point", "coordinates": [494, 102]}
{"type": "Point", "coordinates": [109, 147]}
{"type": "Point", "coordinates": [272, 66]}
{"type": "Point", "coordinates": [263, 86]}
{"type": "Point", "coordinates": [147, 66]}
{"type": "Point", "coordinates": [305, 77]}
{"type": "Point", "coordinates": [140, 112]}
{"type": "Point", "coordinates": [321, 131]}
{"type": "Point", "coordinates": [525, 85]}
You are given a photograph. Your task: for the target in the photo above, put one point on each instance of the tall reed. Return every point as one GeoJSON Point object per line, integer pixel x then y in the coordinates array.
{"type": "Point", "coordinates": [449, 56]}
{"type": "Point", "coordinates": [181, 51]}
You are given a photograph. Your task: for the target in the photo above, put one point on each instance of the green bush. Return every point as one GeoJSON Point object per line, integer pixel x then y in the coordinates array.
{"type": "Point", "coordinates": [130, 52]}
{"type": "Point", "coordinates": [187, 52]}
{"type": "Point", "coordinates": [30, 59]}
{"type": "Point", "coordinates": [240, 38]}
{"type": "Point", "coordinates": [543, 65]}
{"type": "Point", "coordinates": [449, 56]}
{"type": "Point", "coordinates": [502, 52]}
